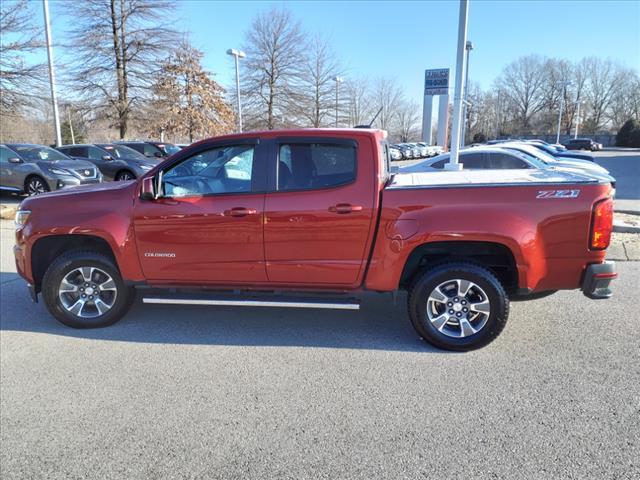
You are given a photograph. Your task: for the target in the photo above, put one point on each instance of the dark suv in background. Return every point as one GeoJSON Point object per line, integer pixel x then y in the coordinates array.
{"type": "Point", "coordinates": [36, 169]}
{"type": "Point", "coordinates": [115, 161]}
{"type": "Point", "coordinates": [152, 149]}
{"type": "Point", "coordinates": [582, 144]}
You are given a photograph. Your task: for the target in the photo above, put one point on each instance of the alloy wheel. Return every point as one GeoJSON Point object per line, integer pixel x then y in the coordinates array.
{"type": "Point", "coordinates": [36, 186]}
{"type": "Point", "coordinates": [458, 308]}
{"type": "Point", "coordinates": [87, 292]}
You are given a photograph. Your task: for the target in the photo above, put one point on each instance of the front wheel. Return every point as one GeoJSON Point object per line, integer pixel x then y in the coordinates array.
{"type": "Point", "coordinates": [84, 289]}
{"type": "Point", "coordinates": [458, 306]}
{"type": "Point", "coordinates": [35, 186]}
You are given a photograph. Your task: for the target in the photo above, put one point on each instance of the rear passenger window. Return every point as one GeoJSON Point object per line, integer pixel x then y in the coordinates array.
{"type": "Point", "coordinates": [474, 161]}
{"type": "Point", "coordinates": [439, 164]}
{"type": "Point", "coordinates": [505, 161]}
{"type": "Point", "coordinates": [314, 166]}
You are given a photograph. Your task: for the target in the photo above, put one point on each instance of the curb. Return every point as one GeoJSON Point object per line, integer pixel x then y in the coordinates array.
{"type": "Point", "coordinates": [624, 228]}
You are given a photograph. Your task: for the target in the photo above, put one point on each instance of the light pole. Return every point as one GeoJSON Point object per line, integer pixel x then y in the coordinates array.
{"type": "Point", "coordinates": [236, 54]}
{"type": "Point", "coordinates": [563, 87]}
{"type": "Point", "coordinates": [578, 118]}
{"type": "Point", "coordinates": [468, 47]}
{"type": "Point", "coordinates": [52, 73]}
{"type": "Point", "coordinates": [457, 97]}
{"type": "Point", "coordinates": [338, 81]}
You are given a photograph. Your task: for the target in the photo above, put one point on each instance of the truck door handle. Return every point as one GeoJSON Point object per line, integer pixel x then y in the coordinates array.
{"type": "Point", "coordinates": [343, 208]}
{"type": "Point", "coordinates": [240, 212]}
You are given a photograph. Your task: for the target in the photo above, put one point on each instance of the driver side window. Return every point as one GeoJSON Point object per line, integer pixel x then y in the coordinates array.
{"type": "Point", "coordinates": [221, 170]}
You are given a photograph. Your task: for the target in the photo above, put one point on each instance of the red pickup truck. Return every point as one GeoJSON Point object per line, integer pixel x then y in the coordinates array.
{"type": "Point", "coordinates": [313, 218]}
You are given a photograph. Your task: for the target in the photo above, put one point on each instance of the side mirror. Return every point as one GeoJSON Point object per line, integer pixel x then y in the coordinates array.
{"type": "Point", "coordinates": [158, 155]}
{"type": "Point", "coordinates": [107, 158]}
{"type": "Point", "coordinates": [15, 160]}
{"type": "Point", "coordinates": [147, 189]}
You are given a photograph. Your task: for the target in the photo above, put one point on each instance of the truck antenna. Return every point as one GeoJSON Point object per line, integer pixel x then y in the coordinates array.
{"type": "Point", "coordinates": [372, 120]}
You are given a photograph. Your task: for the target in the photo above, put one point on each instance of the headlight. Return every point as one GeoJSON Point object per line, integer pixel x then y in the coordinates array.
{"type": "Point", "coordinates": [145, 167]}
{"type": "Point", "coordinates": [59, 171]}
{"type": "Point", "coordinates": [21, 217]}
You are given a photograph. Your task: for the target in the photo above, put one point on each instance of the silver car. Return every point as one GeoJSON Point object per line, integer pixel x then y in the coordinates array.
{"type": "Point", "coordinates": [36, 169]}
{"type": "Point", "coordinates": [510, 157]}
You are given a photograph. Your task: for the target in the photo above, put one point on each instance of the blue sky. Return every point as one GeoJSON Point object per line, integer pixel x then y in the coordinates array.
{"type": "Point", "coordinates": [403, 38]}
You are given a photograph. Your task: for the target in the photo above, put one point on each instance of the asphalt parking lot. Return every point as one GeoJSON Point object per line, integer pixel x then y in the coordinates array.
{"type": "Point", "coordinates": [203, 392]}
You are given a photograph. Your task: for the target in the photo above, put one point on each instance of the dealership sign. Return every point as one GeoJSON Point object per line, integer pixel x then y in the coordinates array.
{"type": "Point", "coordinates": [436, 82]}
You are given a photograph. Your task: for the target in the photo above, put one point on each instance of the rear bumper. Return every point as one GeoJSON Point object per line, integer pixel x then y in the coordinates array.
{"type": "Point", "coordinates": [597, 278]}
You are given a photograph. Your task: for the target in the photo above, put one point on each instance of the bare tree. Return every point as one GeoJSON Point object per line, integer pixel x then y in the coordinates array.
{"type": "Point", "coordinates": [625, 102]}
{"type": "Point", "coordinates": [316, 102]}
{"type": "Point", "coordinates": [522, 83]}
{"type": "Point", "coordinates": [119, 45]}
{"type": "Point", "coordinates": [603, 78]}
{"type": "Point", "coordinates": [386, 97]}
{"type": "Point", "coordinates": [188, 102]}
{"type": "Point", "coordinates": [275, 49]}
{"type": "Point", "coordinates": [408, 126]}
{"type": "Point", "coordinates": [19, 37]}
{"type": "Point", "coordinates": [357, 101]}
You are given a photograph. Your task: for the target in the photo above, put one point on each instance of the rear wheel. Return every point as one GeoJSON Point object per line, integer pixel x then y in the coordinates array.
{"type": "Point", "coordinates": [458, 306]}
{"type": "Point", "coordinates": [35, 185]}
{"type": "Point", "coordinates": [85, 290]}
{"type": "Point", "coordinates": [125, 175]}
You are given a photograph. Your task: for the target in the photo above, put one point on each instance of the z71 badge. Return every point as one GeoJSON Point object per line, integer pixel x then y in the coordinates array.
{"type": "Point", "coordinates": [558, 194]}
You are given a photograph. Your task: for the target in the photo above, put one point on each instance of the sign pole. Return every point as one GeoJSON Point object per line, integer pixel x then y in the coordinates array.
{"type": "Point", "coordinates": [457, 97]}
{"type": "Point", "coordinates": [427, 119]}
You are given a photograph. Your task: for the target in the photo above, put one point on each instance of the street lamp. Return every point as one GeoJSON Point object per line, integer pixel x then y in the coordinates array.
{"type": "Point", "coordinates": [237, 54]}
{"type": "Point", "coordinates": [52, 74]}
{"type": "Point", "coordinates": [468, 47]}
{"type": "Point", "coordinates": [563, 85]}
{"type": "Point", "coordinates": [578, 117]}
{"type": "Point", "coordinates": [338, 81]}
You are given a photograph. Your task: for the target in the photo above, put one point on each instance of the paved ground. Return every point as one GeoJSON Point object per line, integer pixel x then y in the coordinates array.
{"type": "Point", "coordinates": [230, 393]}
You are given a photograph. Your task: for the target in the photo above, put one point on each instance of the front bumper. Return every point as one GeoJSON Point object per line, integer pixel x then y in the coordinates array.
{"type": "Point", "coordinates": [66, 181]}
{"type": "Point", "coordinates": [596, 280]}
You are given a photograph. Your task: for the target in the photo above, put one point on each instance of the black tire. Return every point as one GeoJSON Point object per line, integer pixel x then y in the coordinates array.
{"type": "Point", "coordinates": [35, 185]}
{"type": "Point", "coordinates": [67, 263]}
{"type": "Point", "coordinates": [488, 285]}
{"type": "Point", "coordinates": [125, 175]}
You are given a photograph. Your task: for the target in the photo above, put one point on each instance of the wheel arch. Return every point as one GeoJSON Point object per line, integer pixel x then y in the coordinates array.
{"type": "Point", "coordinates": [46, 249]}
{"type": "Point", "coordinates": [496, 257]}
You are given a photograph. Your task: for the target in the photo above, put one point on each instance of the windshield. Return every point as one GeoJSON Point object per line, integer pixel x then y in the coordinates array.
{"type": "Point", "coordinates": [122, 151]}
{"type": "Point", "coordinates": [35, 153]}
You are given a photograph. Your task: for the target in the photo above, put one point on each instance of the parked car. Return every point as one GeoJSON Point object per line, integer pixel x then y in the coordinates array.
{"type": "Point", "coordinates": [478, 158]}
{"type": "Point", "coordinates": [115, 161]}
{"type": "Point", "coordinates": [564, 163]}
{"type": "Point", "coordinates": [395, 153]}
{"type": "Point", "coordinates": [423, 149]}
{"type": "Point", "coordinates": [510, 156]}
{"type": "Point", "coordinates": [36, 169]}
{"type": "Point", "coordinates": [332, 220]}
{"type": "Point", "coordinates": [561, 153]}
{"type": "Point", "coordinates": [406, 150]}
{"type": "Point", "coordinates": [582, 144]}
{"type": "Point", "coordinates": [151, 149]}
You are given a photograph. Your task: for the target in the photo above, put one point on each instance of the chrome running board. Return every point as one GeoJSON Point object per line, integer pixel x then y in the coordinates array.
{"type": "Point", "coordinates": [297, 303]}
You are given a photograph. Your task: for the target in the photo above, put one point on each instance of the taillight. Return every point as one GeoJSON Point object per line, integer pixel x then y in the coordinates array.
{"type": "Point", "coordinates": [601, 224]}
